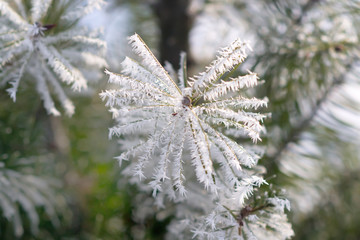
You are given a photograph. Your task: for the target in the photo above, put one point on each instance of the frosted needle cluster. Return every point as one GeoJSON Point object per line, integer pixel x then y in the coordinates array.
{"type": "Point", "coordinates": [192, 113]}
{"type": "Point", "coordinates": [180, 134]}
{"type": "Point", "coordinates": [33, 50]}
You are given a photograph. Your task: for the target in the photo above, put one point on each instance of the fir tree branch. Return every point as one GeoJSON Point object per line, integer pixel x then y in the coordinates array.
{"type": "Point", "coordinates": [295, 132]}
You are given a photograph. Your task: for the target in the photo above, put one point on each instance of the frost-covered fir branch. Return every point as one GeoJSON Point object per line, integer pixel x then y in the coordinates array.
{"type": "Point", "coordinates": [175, 133]}
{"type": "Point", "coordinates": [24, 196]}
{"type": "Point", "coordinates": [150, 100]}
{"type": "Point", "coordinates": [37, 43]}
{"type": "Point", "coordinates": [264, 218]}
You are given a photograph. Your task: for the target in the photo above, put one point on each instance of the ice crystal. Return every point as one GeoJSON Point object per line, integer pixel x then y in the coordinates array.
{"type": "Point", "coordinates": [32, 49]}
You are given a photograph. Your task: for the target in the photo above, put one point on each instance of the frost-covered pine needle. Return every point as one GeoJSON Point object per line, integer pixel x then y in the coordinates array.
{"type": "Point", "coordinates": [172, 132]}
{"type": "Point", "coordinates": [149, 102]}
{"type": "Point", "coordinates": [31, 49]}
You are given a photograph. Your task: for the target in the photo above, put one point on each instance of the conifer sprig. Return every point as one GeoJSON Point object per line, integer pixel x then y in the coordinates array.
{"type": "Point", "coordinates": [31, 49]}
{"type": "Point", "coordinates": [148, 99]}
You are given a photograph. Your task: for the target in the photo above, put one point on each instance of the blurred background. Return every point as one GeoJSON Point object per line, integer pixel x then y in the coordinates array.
{"type": "Point", "coordinates": [58, 175]}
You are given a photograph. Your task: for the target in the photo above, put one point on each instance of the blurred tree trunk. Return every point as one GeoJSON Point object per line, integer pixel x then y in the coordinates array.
{"type": "Point", "coordinates": [175, 23]}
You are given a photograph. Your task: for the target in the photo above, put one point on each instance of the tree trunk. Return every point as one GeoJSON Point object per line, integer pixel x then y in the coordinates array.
{"type": "Point", "coordinates": [175, 23]}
